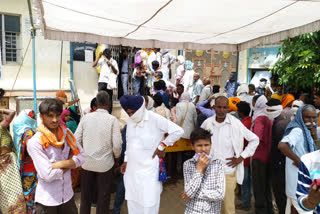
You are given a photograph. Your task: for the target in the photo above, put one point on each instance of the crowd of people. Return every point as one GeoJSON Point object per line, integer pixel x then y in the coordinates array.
{"type": "Point", "coordinates": [261, 140]}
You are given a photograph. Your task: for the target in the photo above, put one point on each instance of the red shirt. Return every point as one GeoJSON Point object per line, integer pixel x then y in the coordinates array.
{"type": "Point", "coordinates": [263, 129]}
{"type": "Point", "coordinates": [247, 123]}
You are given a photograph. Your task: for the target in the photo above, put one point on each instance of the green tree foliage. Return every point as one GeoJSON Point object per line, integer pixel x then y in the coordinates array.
{"type": "Point", "coordinates": [299, 62]}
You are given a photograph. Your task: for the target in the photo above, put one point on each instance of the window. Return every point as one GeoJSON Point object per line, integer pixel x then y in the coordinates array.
{"type": "Point", "coordinates": [9, 38]}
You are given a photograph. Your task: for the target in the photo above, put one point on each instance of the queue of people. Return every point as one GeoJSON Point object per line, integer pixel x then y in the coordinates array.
{"type": "Point", "coordinates": [262, 142]}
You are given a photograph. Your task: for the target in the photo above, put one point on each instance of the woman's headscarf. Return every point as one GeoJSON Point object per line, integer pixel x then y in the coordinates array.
{"type": "Point", "coordinates": [259, 108]}
{"type": "Point", "coordinates": [233, 101]}
{"type": "Point", "coordinates": [150, 103]}
{"type": "Point", "coordinates": [74, 114]}
{"type": "Point", "coordinates": [286, 100]}
{"type": "Point", "coordinates": [243, 88]}
{"type": "Point", "coordinates": [63, 114]}
{"type": "Point", "coordinates": [185, 97]}
{"type": "Point", "coordinates": [22, 121]}
{"type": "Point", "coordinates": [298, 122]}
{"type": "Point", "coordinates": [189, 65]}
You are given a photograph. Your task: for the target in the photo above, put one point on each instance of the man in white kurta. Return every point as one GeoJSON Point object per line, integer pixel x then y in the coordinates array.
{"type": "Point", "coordinates": [145, 134]}
{"type": "Point", "coordinates": [166, 61]}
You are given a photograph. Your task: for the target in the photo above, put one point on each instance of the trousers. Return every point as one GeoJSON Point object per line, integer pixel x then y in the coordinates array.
{"type": "Point", "coordinates": [68, 207]}
{"type": "Point", "coordinates": [102, 86]}
{"type": "Point", "coordinates": [101, 181]}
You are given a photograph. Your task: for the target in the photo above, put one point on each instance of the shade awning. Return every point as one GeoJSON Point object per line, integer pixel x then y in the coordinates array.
{"type": "Point", "coordinates": [179, 24]}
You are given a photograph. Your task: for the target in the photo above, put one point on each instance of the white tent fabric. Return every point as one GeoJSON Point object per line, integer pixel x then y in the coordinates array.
{"type": "Point", "coordinates": [179, 24]}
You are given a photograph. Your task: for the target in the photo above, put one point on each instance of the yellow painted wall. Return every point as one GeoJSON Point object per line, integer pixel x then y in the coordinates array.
{"type": "Point", "coordinates": [48, 54]}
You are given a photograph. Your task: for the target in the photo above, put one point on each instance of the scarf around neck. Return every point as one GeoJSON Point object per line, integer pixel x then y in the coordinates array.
{"type": "Point", "coordinates": [49, 139]}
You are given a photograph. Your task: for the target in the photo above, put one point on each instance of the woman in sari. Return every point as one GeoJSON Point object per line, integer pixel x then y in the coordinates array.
{"type": "Point", "coordinates": [69, 122]}
{"type": "Point", "coordinates": [11, 194]}
{"type": "Point", "coordinates": [24, 128]}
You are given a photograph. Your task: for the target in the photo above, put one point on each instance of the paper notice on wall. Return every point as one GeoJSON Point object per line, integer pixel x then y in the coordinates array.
{"type": "Point", "coordinates": [88, 55]}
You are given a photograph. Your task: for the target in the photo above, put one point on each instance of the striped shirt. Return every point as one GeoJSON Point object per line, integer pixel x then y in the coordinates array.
{"type": "Point", "coordinates": [309, 170]}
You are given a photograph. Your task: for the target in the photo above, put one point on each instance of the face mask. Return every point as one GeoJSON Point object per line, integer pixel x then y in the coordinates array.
{"type": "Point", "coordinates": [137, 117]}
{"type": "Point", "coordinates": [294, 110]}
{"type": "Point", "coordinates": [262, 84]}
{"type": "Point", "coordinates": [197, 155]}
{"type": "Point", "coordinates": [273, 114]}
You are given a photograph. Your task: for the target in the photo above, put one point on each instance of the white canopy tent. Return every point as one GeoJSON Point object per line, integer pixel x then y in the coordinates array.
{"type": "Point", "coordinates": [228, 25]}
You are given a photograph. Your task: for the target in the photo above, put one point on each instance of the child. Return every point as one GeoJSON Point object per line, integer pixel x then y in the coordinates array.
{"type": "Point", "coordinates": [204, 187]}
{"type": "Point", "coordinates": [54, 151]}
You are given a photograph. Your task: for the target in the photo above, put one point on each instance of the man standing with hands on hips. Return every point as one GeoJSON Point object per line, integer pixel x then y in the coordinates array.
{"type": "Point", "coordinates": [108, 75]}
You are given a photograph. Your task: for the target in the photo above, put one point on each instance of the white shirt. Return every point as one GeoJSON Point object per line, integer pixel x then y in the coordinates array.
{"type": "Point", "coordinates": [206, 93]}
{"type": "Point", "coordinates": [141, 179]}
{"type": "Point", "coordinates": [99, 134]}
{"type": "Point", "coordinates": [179, 72]}
{"type": "Point", "coordinates": [163, 111]}
{"type": "Point", "coordinates": [190, 121]}
{"type": "Point", "coordinates": [106, 73]}
{"type": "Point", "coordinates": [166, 60]}
{"type": "Point", "coordinates": [187, 81]}
{"type": "Point", "coordinates": [222, 147]}
{"type": "Point", "coordinates": [231, 132]}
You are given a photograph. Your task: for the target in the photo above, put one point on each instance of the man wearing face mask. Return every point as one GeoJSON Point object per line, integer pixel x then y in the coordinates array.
{"type": "Point", "coordinates": [277, 159]}
{"type": "Point", "coordinates": [299, 139]}
{"type": "Point", "coordinates": [262, 86]}
{"type": "Point", "coordinates": [295, 106]}
{"type": "Point", "coordinates": [231, 85]}
{"type": "Point", "coordinates": [145, 145]}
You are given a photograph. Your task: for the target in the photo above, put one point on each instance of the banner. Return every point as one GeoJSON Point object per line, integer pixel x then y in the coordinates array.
{"type": "Point", "coordinates": [181, 145]}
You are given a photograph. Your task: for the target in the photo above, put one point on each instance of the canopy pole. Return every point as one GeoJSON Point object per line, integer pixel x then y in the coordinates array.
{"type": "Point", "coordinates": [60, 64]}
{"type": "Point", "coordinates": [71, 65]}
{"type": "Point", "coordinates": [33, 35]}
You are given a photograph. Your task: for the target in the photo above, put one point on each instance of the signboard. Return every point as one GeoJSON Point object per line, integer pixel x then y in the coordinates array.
{"type": "Point", "coordinates": [262, 57]}
{"type": "Point", "coordinates": [79, 50]}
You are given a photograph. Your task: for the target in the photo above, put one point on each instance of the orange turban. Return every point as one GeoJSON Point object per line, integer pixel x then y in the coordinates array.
{"type": "Point", "coordinates": [61, 94]}
{"type": "Point", "coordinates": [287, 100]}
{"type": "Point", "coordinates": [233, 101]}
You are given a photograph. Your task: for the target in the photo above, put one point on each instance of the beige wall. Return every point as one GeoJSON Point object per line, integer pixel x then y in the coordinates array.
{"type": "Point", "coordinates": [48, 54]}
{"type": "Point", "coordinates": [243, 66]}
{"type": "Point", "coordinates": [86, 82]}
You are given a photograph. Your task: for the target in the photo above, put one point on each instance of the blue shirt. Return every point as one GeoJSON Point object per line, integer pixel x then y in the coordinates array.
{"type": "Point", "coordinates": [230, 88]}
{"type": "Point", "coordinates": [207, 112]}
{"type": "Point", "coordinates": [309, 170]}
{"type": "Point", "coordinates": [296, 142]}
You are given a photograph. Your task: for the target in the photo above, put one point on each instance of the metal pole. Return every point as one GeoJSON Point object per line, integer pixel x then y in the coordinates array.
{"type": "Point", "coordinates": [60, 64]}
{"type": "Point", "coordinates": [34, 72]}
{"type": "Point", "coordinates": [33, 34]}
{"type": "Point", "coordinates": [71, 65]}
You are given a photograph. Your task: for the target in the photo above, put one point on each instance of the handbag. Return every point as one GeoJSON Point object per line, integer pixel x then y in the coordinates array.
{"type": "Point", "coordinates": [162, 171]}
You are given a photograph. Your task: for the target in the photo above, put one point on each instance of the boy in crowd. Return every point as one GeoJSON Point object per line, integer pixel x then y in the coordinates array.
{"type": "Point", "coordinates": [204, 187]}
{"type": "Point", "coordinates": [54, 151]}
